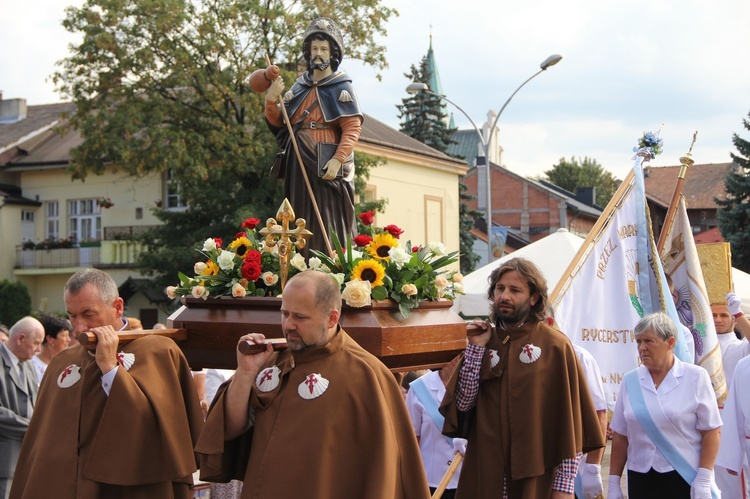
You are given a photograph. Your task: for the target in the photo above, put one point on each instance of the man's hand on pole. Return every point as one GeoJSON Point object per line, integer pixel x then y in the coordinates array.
{"type": "Point", "coordinates": [274, 91]}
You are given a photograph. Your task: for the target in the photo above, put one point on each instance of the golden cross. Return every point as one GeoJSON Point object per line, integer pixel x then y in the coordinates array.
{"type": "Point", "coordinates": [277, 232]}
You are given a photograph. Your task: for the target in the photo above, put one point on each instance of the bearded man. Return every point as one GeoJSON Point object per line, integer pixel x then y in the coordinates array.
{"type": "Point", "coordinates": [523, 396]}
{"type": "Point", "coordinates": [325, 116]}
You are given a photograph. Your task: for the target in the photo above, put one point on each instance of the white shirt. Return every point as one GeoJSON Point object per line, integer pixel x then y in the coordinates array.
{"type": "Point", "coordinates": [593, 377]}
{"type": "Point", "coordinates": [735, 435]}
{"type": "Point", "coordinates": [688, 401]}
{"type": "Point", "coordinates": [214, 379]}
{"type": "Point", "coordinates": [732, 351]}
{"type": "Point", "coordinates": [437, 453]}
{"type": "Point", "coordinates": [40, 367]}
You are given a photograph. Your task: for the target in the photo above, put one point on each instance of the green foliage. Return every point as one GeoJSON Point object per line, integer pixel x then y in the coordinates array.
{"type": "Point", "coordinates": [15, 302]}
{"type": "Point", "coordinates": [422, 113]}
{"type": "Point", "coordinates": [734, 214]}
{"type": "Point", "coordinates": [586, 173]}
{"type": "Point", "coordinates": [364, 163]}
{"type": "Point", "coordinates": [466, 220]}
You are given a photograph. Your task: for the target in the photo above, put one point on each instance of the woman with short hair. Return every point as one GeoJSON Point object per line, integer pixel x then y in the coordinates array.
{"type": "Point", "coordinates": [57, 333]}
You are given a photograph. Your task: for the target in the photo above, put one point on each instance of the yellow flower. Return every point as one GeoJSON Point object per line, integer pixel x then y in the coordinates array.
{"type": "Point", "coordinates": [369, 270]}
{"type": "Point", "coordinates": [381, 245]}
{"type": "Point", "coordinates": [241, 244]}
{"type": "Point", "coordinates": [211, 268]}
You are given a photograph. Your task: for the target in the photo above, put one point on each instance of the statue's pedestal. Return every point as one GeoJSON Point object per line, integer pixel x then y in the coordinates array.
{"type": "Point", "coordinates": [430, 337]}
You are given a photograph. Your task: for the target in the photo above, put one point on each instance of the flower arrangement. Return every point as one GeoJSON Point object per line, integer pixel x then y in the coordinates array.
{"type": "Point", "coordinates": [245, 267]}
{"type": "Point", "coordinates": [650, 145]}
{"type": "Point", "coordinates": [378, 267]}
{"type": "Point", "coordinates": [372, 266]}
{"type": "Point", "coordinates": [105, 202]}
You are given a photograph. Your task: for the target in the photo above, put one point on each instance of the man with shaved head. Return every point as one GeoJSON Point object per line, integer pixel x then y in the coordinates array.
{"type": "Point", "coordinates": [18, 390]}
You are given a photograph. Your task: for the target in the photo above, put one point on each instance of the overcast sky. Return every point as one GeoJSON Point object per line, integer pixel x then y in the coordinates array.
{"type": "Point", "coordinates": [627, 67]}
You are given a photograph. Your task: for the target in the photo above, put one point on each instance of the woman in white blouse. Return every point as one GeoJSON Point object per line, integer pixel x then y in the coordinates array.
{"type": "Point", "coordinates": [666, 421]}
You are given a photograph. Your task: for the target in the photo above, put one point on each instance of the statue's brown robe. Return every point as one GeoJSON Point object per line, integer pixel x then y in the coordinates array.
{"type": "Point", "coordinates": [529, 417]}
{"type": "Point", "coordinates": [353, 441]}
{"type": "Point", "coordinates": [135, 444]}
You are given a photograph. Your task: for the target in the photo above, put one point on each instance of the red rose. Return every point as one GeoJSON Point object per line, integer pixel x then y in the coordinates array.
{"type": "Point", "coordinates": [250, 223]}
{"type": "Point", "coordinates": [362, 240]}
{"type": "Point", "coordinates": [217, 240]}
{"type": "Point", "coordinates": [367, 217]}
{"type": "Point", "coordinates": [393, 230]}
{"type": "Point", "coordinates": [253, 256]}
{"type": "Point", "coordinates": [250, 270]}
{"type": "Point", "coordinates": [414, 249]}
{"type": "Point", "coordinates": [239, 235]}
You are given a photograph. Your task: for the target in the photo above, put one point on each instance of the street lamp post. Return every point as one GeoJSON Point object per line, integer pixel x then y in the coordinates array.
{"type": "Point", "coordinates": [416, 87]}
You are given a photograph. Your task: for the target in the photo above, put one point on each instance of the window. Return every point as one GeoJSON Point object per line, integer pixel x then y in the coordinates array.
{"type": "Point", "coordinates": [52, 212]}
{"type": "Point", "coordinates": [85, 220]}
{"type": "Point", "coordinates": [172, 192]}
{"type": "Point", "coordinates": [27, 216]}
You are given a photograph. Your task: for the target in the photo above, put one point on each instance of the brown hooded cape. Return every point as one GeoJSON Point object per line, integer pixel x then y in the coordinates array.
{"type": "Point", "coordinates": [528, 418]}
{"type": "Point", "coordinates": [136, 443]}
{"type": "Point", "coordinates": [355, 440]}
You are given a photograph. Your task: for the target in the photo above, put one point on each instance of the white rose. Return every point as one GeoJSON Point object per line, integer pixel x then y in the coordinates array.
{"type": "Point", "coordinates": [458, 287]}
{"type": "Point", "coordinates": [399, 257]}
{"type": "Point", "coordinates": [409, 289]}
{"type": "Point", "coordinates": [437, 248]}
{"type": "Point", "coordinates": [199, 292]}
{"type": "Point", "coordinates": [269, 278]}
{"type": "Point", "coordinates": [226, 260]}
{"type": "Point", "coordinates": [357, 293]}
{"type": "Point", "coordinates": [238, 290]}
{"type": "Point", "coordinates": [441, 281]}
{"type": "Point", "coordinates": [199, 268]}
{"type": "Point", "coordinates": [298, 262]}
{"type": "Point", "coordinates": [315, 263]}
{"type": "Point", "coordinates": [458, 277]}
{"type": "Point", "coordinates": [339, 277]}
{"type": "Point", "coordinates": [209, 245]}
{"type": "Point", "coordinates": [269, 249]}
{"type": "Point", "coordinates": [172, 292]}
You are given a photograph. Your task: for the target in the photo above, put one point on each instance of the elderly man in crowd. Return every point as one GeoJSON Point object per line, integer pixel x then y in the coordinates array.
{"type": "Point", "coordinates": [137, 410]}
{"type": "Point", "coordinates": [323, 418]}
{"type": "Point", "coordinates": [18, 391]}
{"type": "Point", "coordinates": [534, 416]}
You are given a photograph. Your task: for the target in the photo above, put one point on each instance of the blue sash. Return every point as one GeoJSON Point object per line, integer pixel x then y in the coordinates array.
{"type": "Point", "coordinates": [662, 443]}
{"type": "Point", "coordinates": [430, 404]}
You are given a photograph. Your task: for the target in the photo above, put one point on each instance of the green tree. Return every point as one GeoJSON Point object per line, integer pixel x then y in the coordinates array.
{"type": "Point", "coordinates": [466, 219]}
{"type": "Point", "coordinates": [734, 212]}
{"type": "Point", "coordinates": [164, 86]}
{"type": "Point", "coordinates": [15, 302]}
{"type": "Point", "coordinates": [422, 113]}
{"type": "Point", "coordinates": [573, 173]}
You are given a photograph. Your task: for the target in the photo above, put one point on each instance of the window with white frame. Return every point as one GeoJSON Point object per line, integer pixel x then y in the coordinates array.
{"type": "Point", "coordinates": [27, 216]}
{"type": "Point", "coordinates": [52, 212]}
{"type": "Point", "coordinates": [85, 222]}
{"type": "Point", "coordinates": [172, 195]}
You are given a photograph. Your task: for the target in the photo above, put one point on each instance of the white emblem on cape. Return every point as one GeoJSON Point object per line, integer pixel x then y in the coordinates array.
{"type": "Point", "coordinates": [313, 386]}
{"type": "Point", "coordinates": [126, 360]}
{"type": "Point", "coordinates": [69, 376]}
{"type": "Point", "coordinates": [288, 96]}
{"type": "Point", "coordinates": [268, 379]}
{"type": "Point", "coordinates": [345, 96]}
{"type": "Point", "coordinates": [529, 353]}
{"type": "Point", "coordinates": [494, 358]}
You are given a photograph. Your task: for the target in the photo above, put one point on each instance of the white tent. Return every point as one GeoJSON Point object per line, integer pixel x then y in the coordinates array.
{"type": "Point", "coordinates": [741, 282]}
{"type": "Point", "coordinates": [552, 254]}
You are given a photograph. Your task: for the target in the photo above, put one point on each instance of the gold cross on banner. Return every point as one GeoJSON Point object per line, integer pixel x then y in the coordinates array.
{"type": "Point", "coordinates": [277, 232]}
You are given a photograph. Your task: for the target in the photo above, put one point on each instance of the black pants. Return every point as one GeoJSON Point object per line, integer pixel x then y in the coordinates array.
{"type": "Point", "coordinates": [447, 493]}
{"type": "Point", "coordinates": [657, 485]}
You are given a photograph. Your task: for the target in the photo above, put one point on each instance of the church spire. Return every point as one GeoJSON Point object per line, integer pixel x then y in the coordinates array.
{"type": "Point", "coordinates": [434, 83]}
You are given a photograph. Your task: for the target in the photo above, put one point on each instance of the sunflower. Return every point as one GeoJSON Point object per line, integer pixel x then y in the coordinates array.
{"type": "Point", "coordinates": [381, 245]}
{"type": "Point", "coordinates": [369, 270]}
{"type": "Point", "coordinates": [241, 245]}
{"type": "Point", "coordinates": [211, 268]}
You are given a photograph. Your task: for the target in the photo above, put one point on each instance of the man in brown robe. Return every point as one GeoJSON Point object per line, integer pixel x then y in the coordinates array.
{"type": "Point", "coordinates": [137, 410]}
{"type": "Point", "coordinates": [322, 419]}
{"type": "Point", "coordinates": [521, 396]}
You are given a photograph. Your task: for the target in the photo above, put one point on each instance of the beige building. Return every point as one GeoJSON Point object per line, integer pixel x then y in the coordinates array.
{"type": "Point", "coordinates": [52, 226]}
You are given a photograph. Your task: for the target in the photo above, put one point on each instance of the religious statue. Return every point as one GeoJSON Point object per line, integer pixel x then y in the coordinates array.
{"type": "Point", "coordinates": [326, 120]}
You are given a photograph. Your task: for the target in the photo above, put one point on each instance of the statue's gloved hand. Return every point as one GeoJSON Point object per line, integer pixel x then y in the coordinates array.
{"type": "Point", "coordinates": [274, 91]}
{"type": "Point", "coordinates": [332, 168]}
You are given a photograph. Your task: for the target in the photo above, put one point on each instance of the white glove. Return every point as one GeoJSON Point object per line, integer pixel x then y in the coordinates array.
{"type": "Point", "coordinates": [733, 304]}
{"type": "Point", "coordinates": [274, 91]}
{"type": "Point", "coordinates": [459, 445]}
{"type": "Point", "coordinates": [613, 490]}
{"type": "Point", "coordinates": [591, 479]}
{"type": "Point", "coordinates": [701, 486]}
{"type": "Point", "coordinates": [332, 168]}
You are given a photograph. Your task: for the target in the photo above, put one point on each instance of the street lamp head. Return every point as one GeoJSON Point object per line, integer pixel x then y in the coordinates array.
{"type": "Point", "coordinates": [550, 61]}
{"type": "Point", "coordinates": [416, 87]}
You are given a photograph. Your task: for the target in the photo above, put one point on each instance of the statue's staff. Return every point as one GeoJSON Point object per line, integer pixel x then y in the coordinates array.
{"type": "Point", "coordinates": [260, 79]}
